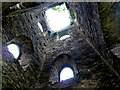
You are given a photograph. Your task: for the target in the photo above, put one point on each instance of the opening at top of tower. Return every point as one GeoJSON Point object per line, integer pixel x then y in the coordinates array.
{"type": "Point", "coordinates": [58, 18]}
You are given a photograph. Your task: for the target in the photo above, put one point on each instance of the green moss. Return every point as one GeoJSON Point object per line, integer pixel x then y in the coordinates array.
{"type": "Point", "coordinates": [58, 8]}
{"type": "Point", "coordinates": [109, 23]}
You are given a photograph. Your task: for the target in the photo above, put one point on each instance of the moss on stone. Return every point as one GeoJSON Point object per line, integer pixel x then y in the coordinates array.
{"type": "Point", "coordinates": [110, 25]}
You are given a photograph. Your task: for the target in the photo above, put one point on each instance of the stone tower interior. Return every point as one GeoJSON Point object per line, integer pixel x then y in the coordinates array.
{"type": "Point", "coordinates": [60, 45]}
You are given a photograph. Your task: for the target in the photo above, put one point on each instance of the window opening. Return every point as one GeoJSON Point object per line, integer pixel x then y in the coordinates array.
{"type": "Point", "coordinates": [40, 26]}
{"type": "Point", "coordinates": [66, 73]}
{"type": "Point", "coordinates": [14, 49]}
{"type": "Point", "coordinates": [64, 37]}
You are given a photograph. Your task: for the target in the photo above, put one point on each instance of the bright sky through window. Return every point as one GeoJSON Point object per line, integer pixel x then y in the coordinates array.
{"type": "Point", "coordinates": [66, 73]}
{"type": "Point", "coordinates": [58, 17]}
{"type": "Point", "coordinates": [14, 49]}
{"type": "Point", "coordinates": [64, 37]}
{"type": "Point", "coordinates": [40, 26]}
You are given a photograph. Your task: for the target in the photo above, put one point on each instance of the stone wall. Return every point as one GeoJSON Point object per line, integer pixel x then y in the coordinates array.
{"type": "Point", "coordinates": [86, 38]}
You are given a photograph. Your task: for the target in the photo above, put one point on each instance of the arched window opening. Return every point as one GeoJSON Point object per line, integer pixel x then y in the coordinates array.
{"type": "Point", "coordinates": [19, 50]}
{"type": "Point", "coordinates": [14, 49]}
{"type": "Point", "coordinates": [66, 73]}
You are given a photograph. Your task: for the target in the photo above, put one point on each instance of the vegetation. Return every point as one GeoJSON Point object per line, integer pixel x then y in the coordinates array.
{"type": "Point", "coordinates": [59, 8]}
{"type": "Point", "coordinates": [109, 23]}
